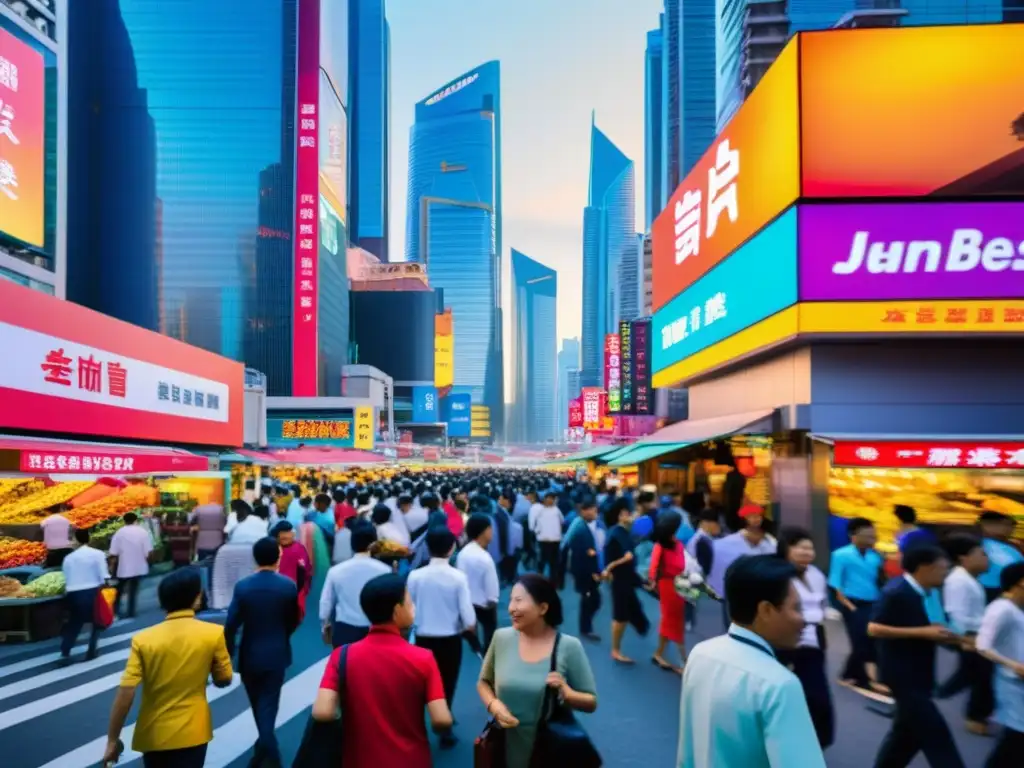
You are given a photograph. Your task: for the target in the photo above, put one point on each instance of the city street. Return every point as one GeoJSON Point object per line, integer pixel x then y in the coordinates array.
{"type": "Point", "coordinates": [57, 717]}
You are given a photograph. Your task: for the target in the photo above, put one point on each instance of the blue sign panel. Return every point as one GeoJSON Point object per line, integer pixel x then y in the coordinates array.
{"type": "Point", "coordinates": [424, 405]}
{"type": "Point", "coordinates": [754, 283]}
{"type": "Point", "coordinates": [290, 432]}
{"type": "Point", "coordinates": [459, 413]}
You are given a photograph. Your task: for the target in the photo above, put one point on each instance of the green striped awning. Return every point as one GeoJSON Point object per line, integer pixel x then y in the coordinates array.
{"type": "Point", "coordinates": [641, 452]}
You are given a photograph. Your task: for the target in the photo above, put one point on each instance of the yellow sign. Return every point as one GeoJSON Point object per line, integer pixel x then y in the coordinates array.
{"type": "Point", "coordinates": [364, 428]}
{"type": "Point", "coordinates": [913, 317]}
{"type": "Point", "coordinates": [480, 425]}
{"type": "Point", "coordinates": [321, 429]}
{"type": "Point", "coordinates": [444, 352]}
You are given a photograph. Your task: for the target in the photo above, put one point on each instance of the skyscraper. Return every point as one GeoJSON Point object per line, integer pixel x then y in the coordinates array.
{"type": "Point", "coordinates": [453, 221]}
{"type": "Point", "coordinates": [369, 96]}
{"type": "Point", "coordinates": [609, 240]}
{"type": "Point", "coordinates": [697, 82]}
{"type": "Point", "coordinates": [922, 12]}
{"type": "Point", "coordinates": [654, 127]}
{"type": "Point", "coordinates": [534, 350]}
{"type": "Point", "coordinates": [568, 360]}
{"type": "Point", "coordinates": [671, 94]}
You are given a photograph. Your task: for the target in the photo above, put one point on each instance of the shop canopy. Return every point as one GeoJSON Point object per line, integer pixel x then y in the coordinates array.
{"type": "Point", "coordinates": [252, 457]}
{"type": "Point", "coordinates": [328, 456]}
{"type": "Point", "coordinates": [80, 458]}
{"type": "Point", "coordinates": [641, 452]}
{"type": "Point", "coordinates": [588, 455]}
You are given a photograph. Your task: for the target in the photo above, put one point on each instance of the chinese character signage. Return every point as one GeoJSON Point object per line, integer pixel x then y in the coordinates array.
{"type": "Point", "coordinates": [643, 397]}
{"type": "Point", "coordinates": [336, 432]}
{"type": "Point", "coordinates": [626, 339]}
{"type": "Point", "coordinates": [988, 317]}
{"type": "Point", "coordinates": [364, 428]}
{"type": "Point", "coordinates": [111, 462]}
{"type": "Point", "coordinates": [444, 352]}
{"type": "Point", "coordinates": [576, 412]}
{"type": "Point", "coordinates": [22, 130]}
{"type": "Point", "coordinates": [424, 405]}
{"type": "Point", "coordinates": [305, 366]}
{"type": "Point", "coordinates": [613, 372]}
{"type": "Point", "coordinates": [754, 283]}
{"type": "Point", "coordinates": [458, 415]}
{"type": "Point", "coordinates": [952, 454]}
{"type": "Point", "coordinates": [592, 408]}
{"type": "Point", "coordinates": [70, 370]}
{"type": "Point", "coordinates": [868, 252]}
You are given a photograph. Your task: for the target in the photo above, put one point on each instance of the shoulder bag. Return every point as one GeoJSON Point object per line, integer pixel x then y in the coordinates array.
{"type": "Point", "coordinates": [321, 745]}
{"type": "Point", "coordinates": [489, 747]}
{"type": "Point", "coordinates": [561, 740]}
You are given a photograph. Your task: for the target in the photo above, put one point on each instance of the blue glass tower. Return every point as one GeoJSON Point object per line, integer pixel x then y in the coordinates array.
{"type": "Point", "coordinates": [654, 127]}
{"type": "Point", "coordinates": [369, 96]}
{"type": "Point", "coordinates": [568, 360]}
{"type": "Point", "coordinates": [453, 221]}
{"type": "Point", "coordinates": [923, 12]}
{"type": "Point", "coordinates": [729, 15]}
{"type": "Point", "coordinates": [697, 78]}
{"type": "Point", "coordinates": [609, 237]}
{"type": "Point", "coordinates": [534, 350]}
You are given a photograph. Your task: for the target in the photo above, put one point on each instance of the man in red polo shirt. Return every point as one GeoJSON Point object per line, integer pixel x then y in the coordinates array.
{"type": "Point", "coordinates": [388, 682]}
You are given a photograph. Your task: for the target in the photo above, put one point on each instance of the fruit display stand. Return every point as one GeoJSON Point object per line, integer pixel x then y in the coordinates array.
{"type": "Point", "coordinates": [27, 616]}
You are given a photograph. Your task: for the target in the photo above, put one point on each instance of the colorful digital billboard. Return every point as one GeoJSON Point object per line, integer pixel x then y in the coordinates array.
{"type": "Point", "coordinates": [444, 352]}
{"type": "Point", "coordinates": [22, 133]}
{"type": "Point", "coordinates": [458, 414]}
{"type": "Point", "coordinates": [424, 405]}
{"type": "Point", "coordinates": [613, 372]}
{"type": "Point", "coordinates": [626, 345]}
{"type": "Point", "coordinates": [757, 281]}
{"type": "Point", "coordinates": [643, 397]}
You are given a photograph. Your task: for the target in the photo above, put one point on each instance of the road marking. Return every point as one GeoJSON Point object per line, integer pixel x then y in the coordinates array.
{"type": "Point", "coordinates": [89, 755]}
{"type": "Point", "coordinates": [47, 658]}
{"type": "Point", "coordinates": [47, 704]}
{"type": "Point", "coordinates": [62, 673]}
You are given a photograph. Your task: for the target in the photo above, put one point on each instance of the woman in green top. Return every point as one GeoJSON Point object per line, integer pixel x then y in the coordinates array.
{"type": "Point", "coordinates": [517, 668]}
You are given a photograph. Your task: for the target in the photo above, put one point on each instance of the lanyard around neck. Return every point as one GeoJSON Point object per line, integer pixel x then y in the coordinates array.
{"type": "Point", "coordinates": [752, 644]}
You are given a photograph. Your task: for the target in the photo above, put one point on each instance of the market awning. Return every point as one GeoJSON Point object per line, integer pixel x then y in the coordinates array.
{"type": "Point", "coordinates": [694, 431]}
{"type": "Point", "coordinates": [328, 456]}
{"type": "Point", "coordinates": [640, 452]}
{"type": "Point", "coordinates": [613, 455]}
{"type": "Point", "coordinates": [244, 455]}
{"type": "Point", "coordinates": [79, 458]}
{"type": "Point", "coordinates": [587, 455]}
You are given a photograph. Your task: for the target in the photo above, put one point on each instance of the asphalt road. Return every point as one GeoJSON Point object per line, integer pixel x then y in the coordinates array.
{"type": "Point", "coordinates": [57, 717]}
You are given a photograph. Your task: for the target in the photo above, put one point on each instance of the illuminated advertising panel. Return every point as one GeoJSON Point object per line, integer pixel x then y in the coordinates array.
{"type": "Point", "coordinates": [748, 176]}
{"type": "Point", "coordinates": [757, 281]}
{"type": "Point", "coordinates": [932, 317]}
{"type": "Point", "coordinates": [337, 432]}
{"type": "Point", "coordinates": [592, 415]}
{"type": "Point", "coordinates": [22, 128]}
{"type": "Point", "coordinates": [480, 421]}
{"type": "Point", "coordinates": [458, 415]}
{"type": "Point", "coordinates": [867, 252]}
{"type": "Point", "coordinates": [643, 398]}
{"type": "Point", "coordinates": [444, 352]}
{"type": "Point", "coordinates": [305, 366]}
{"type": "Point", "coordinates": [626, 338]}
{"type": "Point", "coordinates": [363, 428]}
{"type": "Point", "coordinates": [576, 412]}
{"type": "Point", "coordinates": [613, 371]}
{"type": "Point", "coordinates": [332, 151]}
{"type": "Point", "coordinates": [923, 111]}
{"type": "Point", "coordinates": [424, 405]}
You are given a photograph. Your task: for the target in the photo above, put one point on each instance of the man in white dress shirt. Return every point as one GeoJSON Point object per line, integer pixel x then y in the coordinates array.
{"type": "Point", "coordinates": [341, 614]}
{"type": "Point", "coordinates": [444, 610]}
{"type": "Point", "coordinates": [251, 526]}
{"type": "Point", "coordinates": [85, 572]}
{"type": "Point", "coordinates": [547, 525]}
{"type": "Point", "coordinates": [131, 546]}
{"type": "Point", "coordinates": [482, 574]}
{"type": "Point", "coordinates": [740, 706]}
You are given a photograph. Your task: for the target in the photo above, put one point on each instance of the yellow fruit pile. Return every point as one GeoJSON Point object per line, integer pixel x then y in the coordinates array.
{"type": "Point", "coordinates": [12, 490]}
{"type": "Point", "coordinates": [126, 500]}
{"type": "Point", "coordinates": [30, 509]}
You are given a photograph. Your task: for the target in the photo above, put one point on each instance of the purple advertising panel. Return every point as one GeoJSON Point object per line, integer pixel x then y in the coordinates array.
{"type": "Point", "coordinates": [880, 251]}
{"type": "Point", "coordinates": [643, 396]}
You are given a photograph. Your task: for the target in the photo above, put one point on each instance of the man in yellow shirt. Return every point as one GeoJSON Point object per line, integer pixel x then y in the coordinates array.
{"type": "Point", "coordinates": [172, 661]}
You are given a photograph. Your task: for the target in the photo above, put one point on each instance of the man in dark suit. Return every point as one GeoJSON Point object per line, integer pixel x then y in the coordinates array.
{"type": "Point", "coordinates": [265, 607]}
{"type": "Point", "coordinates": [581, 549]}
{"type": "Point", "coordinates": [907, 637]}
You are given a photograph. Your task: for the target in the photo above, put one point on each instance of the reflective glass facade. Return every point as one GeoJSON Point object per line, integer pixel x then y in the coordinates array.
{"type": "Point", "coordinates": [568, 360]}
{"type": "Point", "coordinates": [697, 99]}
{"type": "Point", "coordinates": [922, 12]}
{"type": "Point", "coordinates": [453, 221]}
{"type": "Point", "coordinates": [654, 199]}
{"type": "Point", "coordinates": [729, 15]}
{"type": "Point", "coordinates": [394, 331]}
{"type": "Point", "coordinates": [534, 350]}
{"type": "Point", "coordinates": [609, 238]}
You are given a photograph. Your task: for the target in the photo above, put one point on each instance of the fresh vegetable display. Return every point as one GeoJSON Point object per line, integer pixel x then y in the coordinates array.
{"type": "Point", "coordinates": [30, 509]}
{"type": "Point", "coordinates": [126, 500]}
{"type": "Point", "coordinates": [100, 536]}
{"type": "Point", "coordinates": [15, 553]}
{"type": "Point", "coordinates": [48, 585]}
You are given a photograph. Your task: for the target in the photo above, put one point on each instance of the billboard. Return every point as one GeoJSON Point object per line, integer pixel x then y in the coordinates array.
{"type": "Point", "coordinates": [866, 252]}
{"type": "Point", "coordinates": [613, 371]}
{"type": "Point", "coordinates": [759, 280]}
{"type": "Point", "coordinates": [70, 370]}
{"type": "Point", "coordinates": [942, 317]}
{"type": "Point", "coordinates": [444, 352]}
{"type": "Point", "coordinates": [748, 176]}
{"type": "Point", "coordinates": [458, 415]}
{"type": "Point", "coordinates": [332, 147]}
{"type": "Point", "coordinates": [576, 412]}
{"type": "Point", "coordinates": [305, 365]}
{"type": "Point", "coordinates": [22, 130]}
{"type": "Point", "coordinates": [424, 405]}
{"type": "Point", "coordinates": [337, 432]}
{"type": "Point", "coordinates": [643, 397]}
{"type": "Point", "coordinates": [480, 421]}
{"type": "Point", "coordinates": [924, 111]}
{"type": "Point", "coordinates": [626, 345]}
{"type": "Point", "coordinates": [363, 428]}
{"type": "Point", "coordinates": [592, 398]}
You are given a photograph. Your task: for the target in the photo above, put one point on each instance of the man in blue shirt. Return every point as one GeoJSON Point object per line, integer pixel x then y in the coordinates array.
{"type": "Point", "coordinates": [856, 576]}
{"type": "Point", "coordinates": [996, 530]}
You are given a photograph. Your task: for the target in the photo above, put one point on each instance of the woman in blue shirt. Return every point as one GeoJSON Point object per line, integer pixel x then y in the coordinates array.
{"type": "Point", "coordinates": [996, 530]}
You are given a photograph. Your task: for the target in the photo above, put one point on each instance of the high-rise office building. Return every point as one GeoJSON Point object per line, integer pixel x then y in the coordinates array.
{"type": "Point", "coordinates": [568, 361]}
{"type": "Point", "coordinates": [923, 12]}
{"type": "Point", "coordinates": [534, 350]}
{"type": "Point", "coordinates": [654, 126]}
{"type": "Point", "coordinates": [648, 271]}
{"type": "Point", "coordinates": [453, 221]}
{"type": "Point", "coordinates": [671, 94]}
{"type": "Point", "coordinates": [33, 87]}
{"type": "Point", "coordinates": [609, 240]}
{"type": "Point", "coordinates": [369, 112]}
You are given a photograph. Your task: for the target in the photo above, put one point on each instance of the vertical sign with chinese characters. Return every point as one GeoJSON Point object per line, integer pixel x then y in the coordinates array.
{"type": "Point", "coordinates": [364, 428]}
{"type": "Point", "coordinates": [626, 337]}
{"type": "Point", "coordinates": [613, 371]}
{"type": "Point", "coordinates": [576, 412]}
{"type": "Point", "coordinates": [307, 204]}
{"type": "Point", "coordinates": [22, 130]}
{"type": "Point", "coordinates": [643, 400]}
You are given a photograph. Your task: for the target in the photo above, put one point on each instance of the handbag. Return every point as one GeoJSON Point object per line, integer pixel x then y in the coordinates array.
{"type": "Point", "coordinates": [321, 745]}
{"type": "Point", "coordinates": [103, 607]}
{"type": "Point", "coordinates": [561, 740]}
{"type": "Point", "coordinates": [489, 747]}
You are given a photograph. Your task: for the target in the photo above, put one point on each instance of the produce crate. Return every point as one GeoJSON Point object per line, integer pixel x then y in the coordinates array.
{"type": "Point", "coordinates": [24, 532]}
{"type": "Point", "coordinates": [30, 620]}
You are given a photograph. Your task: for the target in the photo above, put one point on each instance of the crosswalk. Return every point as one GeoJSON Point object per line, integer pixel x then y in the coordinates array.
{"type": "Point", "coordinates": [56, 717]}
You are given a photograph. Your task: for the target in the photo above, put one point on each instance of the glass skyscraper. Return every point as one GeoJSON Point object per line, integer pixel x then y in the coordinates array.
{"type": "Point", "coordinates": [654, 127]}
{"type": "Point", "coordinates": [453, 221]}
{"type": "Point", "coordinates": [609, 239]}
{"type": "Point", "coordinates": [568, 360]}
{"type": "Point", "coordinates": [534, 350]}
{"type": "Point", "coordinates": [922, 12]}
{"type": "Point", "coordinates": [369, 97]}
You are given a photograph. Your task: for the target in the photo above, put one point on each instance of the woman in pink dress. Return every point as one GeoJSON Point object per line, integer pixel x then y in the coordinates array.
{"type": "Point", "coordinates": [668, 560]}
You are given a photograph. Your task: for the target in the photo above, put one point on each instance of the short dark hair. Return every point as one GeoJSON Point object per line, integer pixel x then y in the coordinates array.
{"type": "Point", "coordinates": [1011, 576]}
{"type": "Point", "coordinates": [282, 526]}
{"type": "Point", "coordinates": [858, 524]}
{"type": "Point", "coordinates": [381, 595]}
{"type": "Point", "coordinates": [404, 499]}
{"type": "Point", "coordinates": [789, 537]}
{"type": "Point", "coordinates": [477, 525]}
{"type": "Point", "coordinates": [266, 552]}
{"type": "Point", "coordinates": [179, 590]}
{"type": "Point", "coordinates": [646, 497]}
{"type": "Point", "coordinates": [710, 515]}
{"type": "Point", "coordinates": [613, 510]}
{"type": "Point", "coordinates": [364, 535]}
{"type": "Point", "coordinates": [381, 514]}
{"type": "Point", "coordinates": [922, 555]}
{"type": "Point", "coordinates": [666, 526]}
{"type": "Point", "coordinates": [543, 590]}
{"type": "Point", "coordinates": [994, 517]}
{"type": "Point", "coordinates": [262, 511]}
{"type": "Point", "coordinates": [588, 502]}
{"type": "Point", "coordinates": [959, 545]}
{"type": "Point", "coordinates": [440, 541]}
{"type": "Point", "coordinates": [130, 518]}
{"type": "Point", "coordinates": [905, 514]}
{"type": "Point", "coordinates": [754, 579]}
{"type": "Point", "coordinates": [323, 498]}
{"type": "Point", "coordinates": [81, 536]}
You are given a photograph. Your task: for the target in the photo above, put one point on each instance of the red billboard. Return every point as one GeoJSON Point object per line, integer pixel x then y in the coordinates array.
{"type": "Point", "coordinates": [576, 412]}
{"type": "Point", "coordinates": [69, 370]}
{"type": "Point", "coordinates": [946, 454]}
